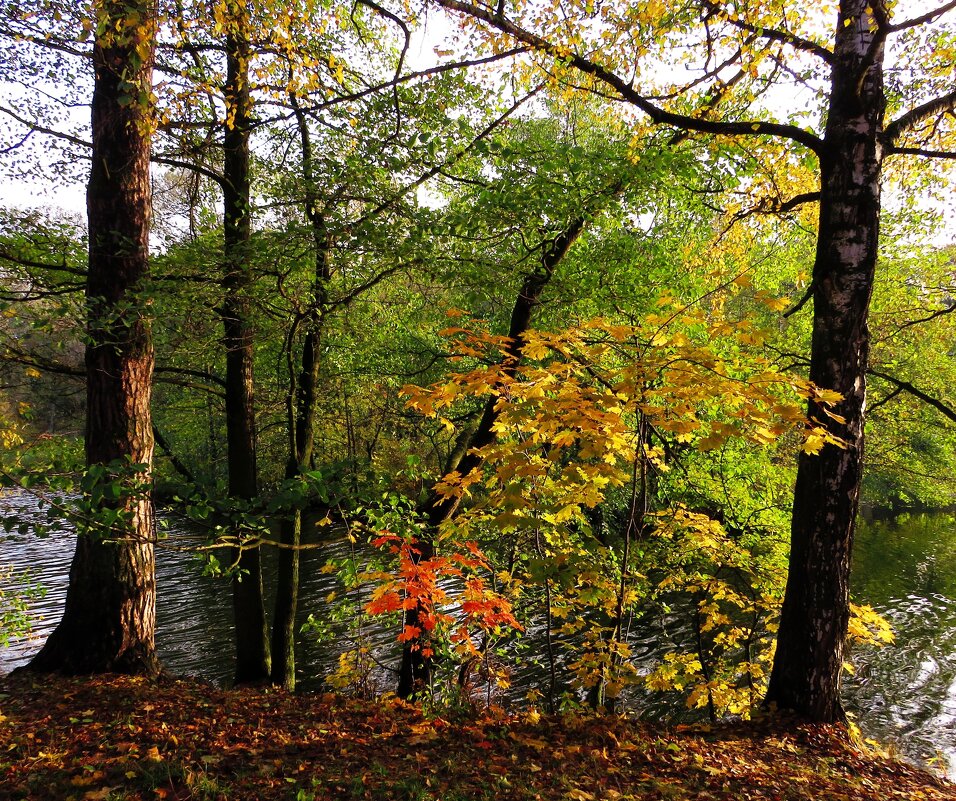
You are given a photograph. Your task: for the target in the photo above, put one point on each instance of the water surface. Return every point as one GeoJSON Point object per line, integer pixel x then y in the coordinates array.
{"type": "Point", "coordinates": [903, 695]}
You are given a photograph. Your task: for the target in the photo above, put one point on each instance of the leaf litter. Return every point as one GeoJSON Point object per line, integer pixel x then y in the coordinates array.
{"type": "Point", "coordinates": [129, 739]}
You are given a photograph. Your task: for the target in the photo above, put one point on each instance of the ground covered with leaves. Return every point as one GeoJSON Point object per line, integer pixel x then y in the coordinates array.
{"type": "Point", "coordinates": [122, 738]}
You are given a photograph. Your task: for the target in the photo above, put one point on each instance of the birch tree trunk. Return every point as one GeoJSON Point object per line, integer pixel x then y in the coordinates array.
{"type": "Point", "coordinates": [806, 670]}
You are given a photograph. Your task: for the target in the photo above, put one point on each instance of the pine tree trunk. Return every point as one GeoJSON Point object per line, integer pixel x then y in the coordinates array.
{"type": "Point", "coordinates": [806, 672]}
{"type": "Point", "coordinates": [109, 621]}
{"type": "Point", "coordinates": [252, 635]}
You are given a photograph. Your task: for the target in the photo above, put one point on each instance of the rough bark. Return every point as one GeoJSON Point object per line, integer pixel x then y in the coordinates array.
{"type": "Point", "coordinates": [415, 670]}
{"type": "Point", "coordinates": [109, 621]}
{"type": "Point", "coordinates": [252, 634]}
{"type": "Point", "coordinates": [806, 672]}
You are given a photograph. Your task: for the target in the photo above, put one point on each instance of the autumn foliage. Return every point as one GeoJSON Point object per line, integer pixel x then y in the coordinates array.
{"type": "Point", "coordinates": [423, 584]}
{"type": "Point", "coordinates": [129, 740]}
{"type": "Point", "coordinates": [592, 419]}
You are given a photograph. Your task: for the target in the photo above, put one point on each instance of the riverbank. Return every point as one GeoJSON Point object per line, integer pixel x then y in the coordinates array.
{"type": "Point", "coordinates": [119, 739]}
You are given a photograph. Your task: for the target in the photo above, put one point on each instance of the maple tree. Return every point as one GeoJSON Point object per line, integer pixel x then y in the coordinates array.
{"type": "Point", "coordinates": [567, 422]}
{"type": "Point", "coordinates": [611, 447]}
{"type": "Point", "coordinates": [854, 139]}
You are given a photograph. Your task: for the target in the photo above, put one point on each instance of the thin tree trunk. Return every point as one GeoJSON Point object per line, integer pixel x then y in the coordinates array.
{"type": "Point", "coordinates": [813, 625]}
{"type": "Point", "coordinates": [302, 411]}
{"type": "Point", "coordinates": [110, 616]}
{"type": "Point", "coordinates": [415, 670]}
{"type": "Point", "coordinates": [252, 634]}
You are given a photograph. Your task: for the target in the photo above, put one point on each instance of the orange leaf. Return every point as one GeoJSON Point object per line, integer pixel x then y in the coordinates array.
{"type": "Point", "coordinates": [409, 633]}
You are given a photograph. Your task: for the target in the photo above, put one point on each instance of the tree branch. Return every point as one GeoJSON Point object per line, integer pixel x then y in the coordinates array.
{"type": "Point", "coordinates": [17, 356]}
{"type": "Point", "coordinates": [915, 116]}
{"type": "Point", "coordinates": [47, 365]}
{"type": "Point", "coordinates": [883, 401]}
{"type": "Point", "coordinates": [191, 167]}
{"type": "Point", "coordinates": [938, 313]}
{"type": "Point", "coordinates": [773, 34]}
{"type": "Point", "coordinates": [35, 126]}
{"type": "Point", "coordinates": [929, 16]}
{"type": "Point", "coordinates": [426, 73]}
{"type": "Point", "coordinates": [627, 92]}
{"type": "Point", "coordinates": [8, 255]}
{"type": "Point", "coordinates": [205, 376]}
{"type": "Point", "coordinates": [453, 158]}
{"type": "Point", "coordinates": [802, 302]}
{"type": "Point", "coordinates": [943, 408]}
{"type": "Point", "coordinates": [401, 57]}
{"type": "Point", "coordinates": [178, 464]}
{"type": "Point", "coordinates": [921, 151]}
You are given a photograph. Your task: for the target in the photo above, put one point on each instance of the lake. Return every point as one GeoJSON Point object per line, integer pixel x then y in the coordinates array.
{"type": "Point", "coordinates": [903, 695]}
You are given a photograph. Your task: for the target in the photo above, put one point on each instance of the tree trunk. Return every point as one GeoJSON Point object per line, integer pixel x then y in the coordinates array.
{"type": "Point", "coordinates": [301, 413]}
{"type": "Point", "coordinates": [415, 670]}
{"type": "Point", "coordinates": [252, 635]}
{"type": "Point", "coordinates": [110, 616]}
{"type": "Point", "coordinates": [287, 580]}
{"type": "Point", "coordinates": [806, 672]}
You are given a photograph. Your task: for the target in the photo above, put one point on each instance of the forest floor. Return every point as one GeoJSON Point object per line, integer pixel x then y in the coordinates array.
{"type": "Point", "coordinates": [122, 738]}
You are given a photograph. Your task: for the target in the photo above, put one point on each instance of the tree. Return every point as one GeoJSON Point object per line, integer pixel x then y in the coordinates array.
{"type": "Point", "coordinates": [109, 620]}
{"type": "Point", "coordinates": [252, 633]}
{"type": "Point", "coordinates": [765, 43]}
{"type": "Point", "coordinates": [302, 413]}
{"type": "Point", "coordinates": [911, 412]}
{"type": "Point", "coordinates": [553, 185]}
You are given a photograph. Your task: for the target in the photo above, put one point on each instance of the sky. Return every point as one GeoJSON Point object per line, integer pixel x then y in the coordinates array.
{"type": "Point", "coordinates": [68, 194]}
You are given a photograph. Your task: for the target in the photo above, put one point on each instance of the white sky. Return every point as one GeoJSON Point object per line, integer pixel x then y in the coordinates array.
{"type": "Point", "coordinates": [69, 195]}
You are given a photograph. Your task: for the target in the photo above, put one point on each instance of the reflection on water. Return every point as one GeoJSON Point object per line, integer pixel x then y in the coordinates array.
{"type": "Point", "coordinates": [903, 694]}
{"type": "Point", "coordinates": [194, 620]}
